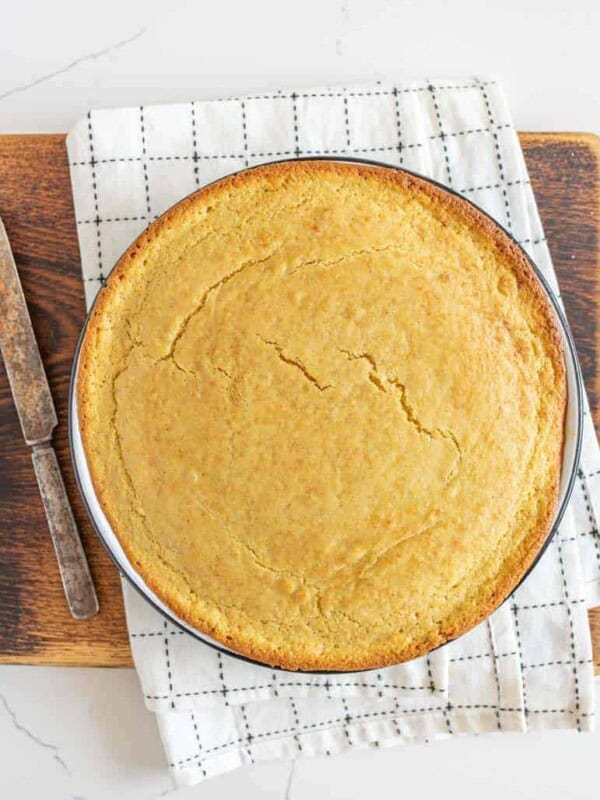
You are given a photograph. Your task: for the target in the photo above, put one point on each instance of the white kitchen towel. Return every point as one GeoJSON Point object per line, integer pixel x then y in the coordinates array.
{"type": "Point", "coordinates": [529, 667]}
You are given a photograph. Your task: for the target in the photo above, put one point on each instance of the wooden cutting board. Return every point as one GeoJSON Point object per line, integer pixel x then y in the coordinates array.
{"type": "Point", "coordinates": [37, 209]}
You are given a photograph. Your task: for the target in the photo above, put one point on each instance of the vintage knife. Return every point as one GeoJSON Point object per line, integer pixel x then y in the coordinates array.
{"type": "Point", "coordinates": [34, 405]}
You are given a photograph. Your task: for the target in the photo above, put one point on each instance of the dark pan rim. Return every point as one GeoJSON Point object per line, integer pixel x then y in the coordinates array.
{"type": "Point", "coordinates": [567, 336]}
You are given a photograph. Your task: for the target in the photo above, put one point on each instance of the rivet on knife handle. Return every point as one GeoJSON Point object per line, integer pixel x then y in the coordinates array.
{"type": "Point", "coordinates": [74, 570]}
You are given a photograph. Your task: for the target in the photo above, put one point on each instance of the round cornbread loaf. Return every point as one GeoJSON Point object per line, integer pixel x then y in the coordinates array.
{"type": "Point", "coordinates": [323, 406]}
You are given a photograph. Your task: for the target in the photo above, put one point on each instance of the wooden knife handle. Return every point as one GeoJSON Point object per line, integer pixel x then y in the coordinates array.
{"type": "Point", "coordinates": [74, 569]}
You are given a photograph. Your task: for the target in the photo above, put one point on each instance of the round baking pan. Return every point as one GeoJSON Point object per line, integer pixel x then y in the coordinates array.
{"type": "Point", "coordinates": [570, 460]}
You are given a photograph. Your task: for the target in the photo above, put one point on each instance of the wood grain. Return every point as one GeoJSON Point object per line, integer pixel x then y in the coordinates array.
{"type": "Point", "coordinates": [36, 205]}
{"type": "Point", "coordinates": [35, 625]}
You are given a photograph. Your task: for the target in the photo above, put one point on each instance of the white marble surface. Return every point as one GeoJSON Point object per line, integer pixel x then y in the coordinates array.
{"type": "Point", "coordinates": [143, 51]}
{"type": "Point", "coordinates": [84, 734]}
{"type": "Point", "coordinates": [69, 734]}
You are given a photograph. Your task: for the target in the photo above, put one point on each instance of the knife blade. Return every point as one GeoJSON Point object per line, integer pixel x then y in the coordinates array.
{"type": "Point", "coordinates": [37, 415]}
{"type": "Point", "coordinates": [22, 359]}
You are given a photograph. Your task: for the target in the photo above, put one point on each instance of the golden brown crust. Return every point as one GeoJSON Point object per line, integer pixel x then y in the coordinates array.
{"type": "Point", "coordinates": [233, 628]}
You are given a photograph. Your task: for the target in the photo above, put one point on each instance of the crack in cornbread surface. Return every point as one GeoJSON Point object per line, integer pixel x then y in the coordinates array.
{"type": "Point", "coordinates": [322, 406]}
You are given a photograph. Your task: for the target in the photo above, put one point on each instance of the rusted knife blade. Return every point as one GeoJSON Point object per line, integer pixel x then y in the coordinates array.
{"type": "Point", "coordinates": [21, 355]}
{"type": "Point", "coordinates": [37, 415]}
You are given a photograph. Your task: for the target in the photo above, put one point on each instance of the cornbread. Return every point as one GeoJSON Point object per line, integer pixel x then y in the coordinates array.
{"type": "Point", "coordinates": [322, 405]}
